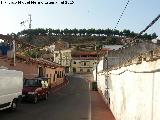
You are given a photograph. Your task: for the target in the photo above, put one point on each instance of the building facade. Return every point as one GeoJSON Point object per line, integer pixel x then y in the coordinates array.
{"type": "Point", "coordinates": [61, 54]}
{"type": "Point", "coordinates": [32, 67]}
{"type": "Point", "coordinates": [63, 57]}
{"type": "Point", "coordinates": [83, 62]}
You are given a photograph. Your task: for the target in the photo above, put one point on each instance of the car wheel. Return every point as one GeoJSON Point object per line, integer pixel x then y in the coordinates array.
{"type": "Point", "coordinates": [35, 100]}
{"type": "Point", "coordinates": [46, 96]}
{"type": "Point", "coordinates": [13, 106]}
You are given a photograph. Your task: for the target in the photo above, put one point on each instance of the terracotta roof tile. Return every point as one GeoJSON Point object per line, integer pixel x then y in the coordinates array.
{"type": "Point", "coordinates": [38, 61]}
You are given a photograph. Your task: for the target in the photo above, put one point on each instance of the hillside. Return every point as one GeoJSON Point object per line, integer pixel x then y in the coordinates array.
{"type": "Point", "coordinates": [42, 37]}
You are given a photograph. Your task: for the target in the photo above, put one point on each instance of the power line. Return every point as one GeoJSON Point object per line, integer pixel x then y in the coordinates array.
{"type": "Point", "coordinates": [150, 25]}
{"type": "Point", "coordinates": [122, 14]}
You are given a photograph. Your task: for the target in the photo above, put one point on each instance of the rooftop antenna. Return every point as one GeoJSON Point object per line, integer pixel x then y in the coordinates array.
{"type": "Point", "coordinates": [30, 20]}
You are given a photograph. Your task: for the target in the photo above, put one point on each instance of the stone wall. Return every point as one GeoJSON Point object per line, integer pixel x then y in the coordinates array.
{"type": "Point", "coordinates": [129, 52]}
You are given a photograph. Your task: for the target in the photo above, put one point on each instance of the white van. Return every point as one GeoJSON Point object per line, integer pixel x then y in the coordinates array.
{"type": "Point", "coordinates": [11, 85]}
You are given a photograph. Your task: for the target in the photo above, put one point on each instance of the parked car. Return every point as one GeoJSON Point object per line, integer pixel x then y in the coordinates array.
{"type": "Point", "coordinates": [11, 84]}
{"type": "Point", "coordinates": [34, 90]}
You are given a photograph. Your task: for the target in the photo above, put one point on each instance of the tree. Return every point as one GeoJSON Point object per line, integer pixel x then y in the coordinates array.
{"type": "Point", "coordinates": [120, 33]}
{"type": "Point", "coordinates": [132, 34]}
{"type": "Point", "coordinates": [108, 32]}
{"type": "Point", "coordinates": [126, 32]}
{"type": "Point", "coordinates": [98, 32]}
{"type": "Point", "coordinates": [66, 31]}
{"type": "Point", "coordinates": [84, 31]}
{"type": "Point", "coordinates": [90, 31]}
{"type": "Point", "coordinates": [111, 41]}
{"type": "Point", "coordinates": [80, 31]}
{"type": "Point", "coordinates": [98, 46]}
{"type": "Point", "coordinates": [49, 32]}
{"type": "Point", "coordinates": [75, 31]}
{"type": "Point", "coordinates": [57, 31]}
{"type": "Point", "coordinates": [154, 36]}
{"type": "Point", "coordinates": [115, 32]}
{"type": "Point", "coordinates": [145, 36]}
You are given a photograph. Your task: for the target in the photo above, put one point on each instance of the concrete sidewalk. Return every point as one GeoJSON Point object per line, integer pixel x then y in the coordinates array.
{"type": "Point", "coordinates": [99, 109]}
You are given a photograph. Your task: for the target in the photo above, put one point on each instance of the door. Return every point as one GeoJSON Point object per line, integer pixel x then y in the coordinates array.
{"type": "Point", "coordinates": [41, 72]}
{"type": "Point", "coordinates": [74, 70]}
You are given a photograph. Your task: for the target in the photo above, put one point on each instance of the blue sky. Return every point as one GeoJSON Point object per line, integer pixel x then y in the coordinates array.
{"type": "Point", "coordinates": [96, 14]}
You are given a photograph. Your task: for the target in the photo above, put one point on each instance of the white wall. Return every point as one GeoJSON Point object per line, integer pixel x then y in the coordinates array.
{"type": "Point", "coordinates": [94, 74]}
{"type": "Point", "coordinates": [100, 65]}
{"type": "Point", "coordinates": [134, 91]}
{"type": "Point", "coordinates": [101, 83]}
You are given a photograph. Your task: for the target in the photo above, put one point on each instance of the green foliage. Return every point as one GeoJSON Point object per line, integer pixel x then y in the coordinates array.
{"type": "Point", "coordinates": [35, 53]}
{"type": "Point", "coordinates": [111, 41]}
{"type": "Point", "coordinates": [154, 36]}
{"type": "Point", "coordinates": [30, 33]}
{"type": "Point", "coordinates": [98, 46]}
{"type": "Point", "coordinates": [127, 33]}
{"type": "Point", "coordinates": [36, 36]}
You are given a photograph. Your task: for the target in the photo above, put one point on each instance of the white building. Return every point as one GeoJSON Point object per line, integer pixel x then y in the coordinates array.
{"type": "Point", "coordinates": [63, 57]}
{"type": "Point", "coordinates": [112, 47]}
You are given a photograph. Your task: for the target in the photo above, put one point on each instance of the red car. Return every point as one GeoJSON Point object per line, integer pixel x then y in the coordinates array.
{"type": "Point", "coordinates": [35, 89]}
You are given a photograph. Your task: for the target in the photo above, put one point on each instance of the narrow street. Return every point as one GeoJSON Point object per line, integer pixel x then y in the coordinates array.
{"type": "Point", "coordinates": [70, 103]}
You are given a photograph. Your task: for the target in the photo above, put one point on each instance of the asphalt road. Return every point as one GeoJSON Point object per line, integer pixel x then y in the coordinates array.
{"type": "Point", "coordinates": [72, 102]}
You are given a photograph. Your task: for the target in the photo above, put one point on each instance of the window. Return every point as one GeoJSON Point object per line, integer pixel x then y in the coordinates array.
{"type": "Point", "coordinates": [81, 70]}
{"type": "Point", "coordinates": [88, 70]}
{"type": "Point", "coordinates": [54, 77]}
{"type": "Point", "coordinates": [74, 70]}
{"type": "Point", "coordinates": [56, 54]}
{"type": "Point", "coordinates": [74, 62]}
{"type": "Point", "coordinates": [62, 74]}
{"type": "Point", "coordinates": [67, 63]}
{"type": "Point", "coordinates": [84, 63]}
{"type": "Point", "coordinates": [58, 74]}
{"type": "Point", "coordinates": [46, 75]}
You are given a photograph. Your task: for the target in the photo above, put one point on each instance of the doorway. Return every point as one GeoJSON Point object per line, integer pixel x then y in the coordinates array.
{"type": "Point", "coordinates": [40, 72]}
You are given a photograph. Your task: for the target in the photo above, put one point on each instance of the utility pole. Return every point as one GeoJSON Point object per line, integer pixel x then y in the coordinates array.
{"type": "Point", "coordinates": [97, 60]}
{"type": "Point", "coordinates": [107, 78]}
{"type": "Point", "coordinates": [97, 49]}
{"type": "Point", "coordinates": [14, 51]}
{"type": "Point", "coordinates": [94, 84]}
